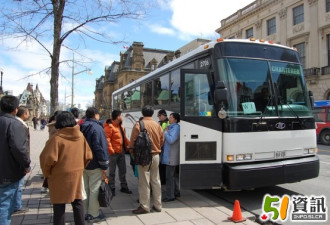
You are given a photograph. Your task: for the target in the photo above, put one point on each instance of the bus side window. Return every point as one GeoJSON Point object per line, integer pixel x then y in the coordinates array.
{"type": "Point", "coordinates": [146, 90]}
{"type": "Point", "coordinates": [196, 96]}
{"type": "Point", "coordinates": [123, 103]}
{"type": "Point", "coordinates": [115, 101]}
{"type": "Point", "coordinates": [175, 86]}
{"type": "Point", "coordinates": [161, 90]}
{"type": "Point", "coordinates": [136, 100]}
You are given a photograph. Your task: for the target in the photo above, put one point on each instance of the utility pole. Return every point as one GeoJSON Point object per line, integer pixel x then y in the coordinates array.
{"type": "Point", "coordinates": [72, 79]}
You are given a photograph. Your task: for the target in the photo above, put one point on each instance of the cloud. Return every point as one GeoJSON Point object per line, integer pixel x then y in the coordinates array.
{"type": "Point", "coordinates": [164, 4]}
{"type": "Point", "coordinates": [161, 30]}
{"type": "Point", "coordinates": [201, 18]}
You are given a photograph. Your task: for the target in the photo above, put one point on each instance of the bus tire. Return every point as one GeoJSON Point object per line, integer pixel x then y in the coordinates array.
{"type": "Point", "coordinates": [325, 137]}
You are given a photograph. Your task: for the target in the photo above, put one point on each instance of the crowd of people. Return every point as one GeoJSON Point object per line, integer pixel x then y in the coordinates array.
{"type": "Point", "coordinates": [80, 153]}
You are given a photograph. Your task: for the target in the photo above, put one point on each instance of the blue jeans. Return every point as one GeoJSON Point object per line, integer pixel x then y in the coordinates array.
{"type": "Point", "coordinates": [7, 201]}
{"type": "Point", "coordinates": [18, 199]}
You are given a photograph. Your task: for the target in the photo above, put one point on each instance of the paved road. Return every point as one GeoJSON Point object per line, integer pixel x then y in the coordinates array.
{"type": "Point", "coordinates": [252, 200]}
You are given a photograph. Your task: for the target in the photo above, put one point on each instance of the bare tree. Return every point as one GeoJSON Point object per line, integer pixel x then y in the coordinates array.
{"type": "Point", "coordinates": [56, 20]}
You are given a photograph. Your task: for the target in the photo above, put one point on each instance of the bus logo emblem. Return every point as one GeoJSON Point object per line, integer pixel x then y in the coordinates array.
{"type": "Point", "coordinates": [280, 125]}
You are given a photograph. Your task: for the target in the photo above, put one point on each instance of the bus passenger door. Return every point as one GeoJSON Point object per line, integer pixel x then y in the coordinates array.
{"type": "Point", "coordinates": [200, 134]}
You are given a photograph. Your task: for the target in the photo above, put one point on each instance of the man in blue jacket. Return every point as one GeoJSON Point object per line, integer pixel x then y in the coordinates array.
{"type": "Point", "coordinates": [96, 169]}
{"type": "Point", "coordinates": [14, 160]}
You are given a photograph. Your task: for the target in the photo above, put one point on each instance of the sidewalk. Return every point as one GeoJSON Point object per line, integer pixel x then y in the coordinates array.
{"type": "Point", "coordinates": [190, 208]}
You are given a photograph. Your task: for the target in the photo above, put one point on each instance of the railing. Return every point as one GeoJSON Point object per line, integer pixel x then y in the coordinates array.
{"type": "Point", "coordinates": [312, 71]}
{"type": "Point", "coordinates": [325, 70]}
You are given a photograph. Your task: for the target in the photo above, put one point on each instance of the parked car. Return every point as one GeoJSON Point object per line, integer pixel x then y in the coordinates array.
{"type": "Point", "coordinates": [321, 114]}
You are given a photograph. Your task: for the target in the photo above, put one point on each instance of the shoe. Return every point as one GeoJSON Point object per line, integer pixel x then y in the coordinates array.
{"type": "Point", "coordinates": [43, 190]}
{"type": "Point", "coordinates": [126, 190]}
{"type": "Point", "coordinates": [97, 219]}
{"type": "Point", "coordinates": [140, 210]}
{"type": "Point", "coordinates": [21, 210]}
{"type": "Point", "coordinates": [168, 199]}
{"type": "Point", "coordinates": [88, 217]}
{"type": "Point", "coordinates": [155, 209]}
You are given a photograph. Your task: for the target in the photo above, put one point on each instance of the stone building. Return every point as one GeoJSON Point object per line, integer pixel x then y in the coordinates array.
{"type": "Point", "coordinates": [303, 24]}
{"type": "Point", "coordinates": [134, 63]}
{"type": "Point", "coordinates": [34, 101]}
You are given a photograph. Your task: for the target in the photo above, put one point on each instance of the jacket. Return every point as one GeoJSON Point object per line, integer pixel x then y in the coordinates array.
{"type": "Point", "coordinates": [114, 137]}
{"type": "Point", "coordinates": [97, 141]}
{"type": "Point", "coordinates": [171, 154]}
{"type": "Point", "coordinates": [27, 134]}
{"type": "Point", "coordinates": [155, 132]}
{"type": "Point", "coordinates": [62, 161]}
{"type": "Point", "coordinates": [14, 159]}
{"type": "Point", "coordinates": [164, 123]}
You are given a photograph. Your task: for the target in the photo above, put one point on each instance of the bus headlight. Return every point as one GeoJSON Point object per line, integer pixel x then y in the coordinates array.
{"type": "Point", "coordinates": [241, 157]}
{"type": "Point", "coordinates": [311, 150]}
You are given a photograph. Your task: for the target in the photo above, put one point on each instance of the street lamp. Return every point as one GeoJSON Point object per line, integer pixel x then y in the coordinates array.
{"type": "Point", "coordinates": [73, 74]}
{"type": "Point", "coordinates": [1, 70]}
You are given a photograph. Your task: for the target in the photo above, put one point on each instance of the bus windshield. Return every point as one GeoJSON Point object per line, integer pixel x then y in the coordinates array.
{"type": "Point", "coordinates": [264, 88]}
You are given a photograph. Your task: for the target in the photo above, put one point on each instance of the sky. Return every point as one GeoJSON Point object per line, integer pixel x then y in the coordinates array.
{"type": "Point", "coordinates": [169, 25]}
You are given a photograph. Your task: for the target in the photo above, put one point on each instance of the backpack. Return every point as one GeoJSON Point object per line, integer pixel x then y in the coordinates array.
{"type": "Point", "coordinates": [142, 147]}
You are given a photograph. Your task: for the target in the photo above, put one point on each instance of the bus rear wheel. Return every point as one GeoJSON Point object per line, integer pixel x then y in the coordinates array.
{"type": "Point", "coordinates": [325, 137]}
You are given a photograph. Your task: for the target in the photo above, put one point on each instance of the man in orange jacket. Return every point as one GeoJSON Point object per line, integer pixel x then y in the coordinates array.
{"type": "Point", "coordinates": [117, 145]}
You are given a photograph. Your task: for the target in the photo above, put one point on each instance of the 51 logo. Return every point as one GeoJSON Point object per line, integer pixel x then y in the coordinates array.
{"type": "Point", "coordinates": [299, 208]}
{"type": "Point", "coordinates": [275, 208]}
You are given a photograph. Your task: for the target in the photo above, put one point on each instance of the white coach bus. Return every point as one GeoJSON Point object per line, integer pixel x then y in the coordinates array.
{"type": "Point", "coordinates": [246, 118]}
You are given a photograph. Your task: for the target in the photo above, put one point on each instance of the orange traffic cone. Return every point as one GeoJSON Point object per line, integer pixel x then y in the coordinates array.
{"type": "Point", "coordinates": [237, 214]}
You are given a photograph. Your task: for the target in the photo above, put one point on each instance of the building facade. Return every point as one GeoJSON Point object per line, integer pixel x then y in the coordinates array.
{"type": "Point", "coordinates": [34, 101]}
{"type": "Point", "coordinates": [303, 24]}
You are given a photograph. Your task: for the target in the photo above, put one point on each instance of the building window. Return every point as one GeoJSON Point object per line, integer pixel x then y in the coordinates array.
{"type": "Point", "coordinates": [249, 33]}
{"type": "Point", "coordinates": [271, 26]}
{"type": "Point", "coordinates": [298, 14]}
{"type": "Point", "coordinates": [301, 52]}
{"type": "Point", "coordinates": [328, 46]}
{"type": "Point", "coordinates": [328, 6]}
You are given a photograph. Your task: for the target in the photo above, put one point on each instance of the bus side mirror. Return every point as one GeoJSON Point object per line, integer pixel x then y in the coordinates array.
{"type": "Point", "coordinates": [311, 98]}
{"type": "Point", "coordinates": [220, 93]}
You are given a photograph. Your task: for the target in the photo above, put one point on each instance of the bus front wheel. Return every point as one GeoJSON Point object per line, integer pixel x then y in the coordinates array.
{"type": "Point", "coordinates": [325, 137]}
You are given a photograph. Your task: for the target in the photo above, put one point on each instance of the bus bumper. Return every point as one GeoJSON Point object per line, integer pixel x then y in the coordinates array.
{"type": "Point", "coordinates": [270, 173]}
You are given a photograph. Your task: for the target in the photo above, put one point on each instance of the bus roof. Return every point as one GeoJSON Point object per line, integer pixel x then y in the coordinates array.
{"type": "Point", "coordinates": [202, 48]}
{"type": "Point", "coordinates": [323, 103]}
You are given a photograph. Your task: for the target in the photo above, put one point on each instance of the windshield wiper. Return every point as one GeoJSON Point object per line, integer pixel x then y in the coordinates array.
{"type": "Point", "coordinates": [280, 98]}
{"type": "Point", "coordinates": [301, 123]}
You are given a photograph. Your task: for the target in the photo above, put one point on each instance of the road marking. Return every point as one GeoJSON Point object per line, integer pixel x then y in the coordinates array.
{"type": "Point", "coordinates": [321, 150]}
{"type": "Point", "coordinates": [325, 162]}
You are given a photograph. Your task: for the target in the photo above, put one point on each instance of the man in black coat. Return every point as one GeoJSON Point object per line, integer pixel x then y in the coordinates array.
{"type": "Point", "coordinates": [97, 167]}
{"type": "Point", "coordinates": [14, 160]}
{"type": "Point", "coordinates": [22, 115]}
